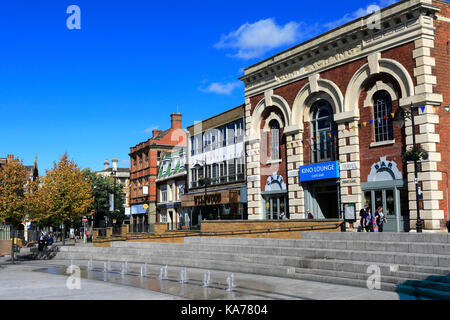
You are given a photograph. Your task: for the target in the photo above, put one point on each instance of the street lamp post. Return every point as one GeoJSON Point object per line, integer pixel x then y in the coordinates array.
{"type": "Point", "coordinates": [416, 179]}
{"type": "Point", "coordinates": [114, 175]}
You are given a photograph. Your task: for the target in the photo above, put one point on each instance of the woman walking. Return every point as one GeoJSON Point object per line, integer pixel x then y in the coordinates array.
{"type": "Point", "coordinates": [380, 218]}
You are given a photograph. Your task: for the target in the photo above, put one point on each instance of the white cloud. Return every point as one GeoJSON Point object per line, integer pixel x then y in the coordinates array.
{"type": "Point", "coordinates": [150, 129]}
{"type": "Point", "coordinates": [222, 88]}
{"type": "Point", "coordinates": [252, 40]}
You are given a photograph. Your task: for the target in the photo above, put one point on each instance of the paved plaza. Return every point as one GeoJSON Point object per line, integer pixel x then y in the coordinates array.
{"type": "Point", "coordinates": [46, 280]}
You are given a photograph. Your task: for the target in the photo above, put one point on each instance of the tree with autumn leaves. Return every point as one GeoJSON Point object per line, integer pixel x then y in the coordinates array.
{"type": "Point", "coordinates": [63, 195]}
{"type": "Point", "coordinates": [13, 200]}
{"type": "Point", "coordinates": [67, 192]}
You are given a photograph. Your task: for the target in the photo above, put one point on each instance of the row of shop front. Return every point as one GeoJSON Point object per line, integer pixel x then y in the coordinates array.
{"type": "Point", "coordinates": [321, 184]}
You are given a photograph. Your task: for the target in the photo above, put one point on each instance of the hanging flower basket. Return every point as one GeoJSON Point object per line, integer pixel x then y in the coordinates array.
{"type": "Point", "coordinates": [415, 154]}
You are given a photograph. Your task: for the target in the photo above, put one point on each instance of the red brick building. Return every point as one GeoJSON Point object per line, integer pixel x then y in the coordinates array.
{"type": "Point", "coordinates": [145, 161]}
{"type": "Point", "coordinates": [323, 120]}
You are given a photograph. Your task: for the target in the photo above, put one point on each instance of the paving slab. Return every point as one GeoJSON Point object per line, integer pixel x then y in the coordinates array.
{"type": "Point", "coordinates": [46, 280]}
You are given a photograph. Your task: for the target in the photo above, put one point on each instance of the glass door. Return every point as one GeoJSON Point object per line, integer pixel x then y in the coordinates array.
{"type": "Point", "coordinates": [274, 206]}
{"type": "Point", "coordinates": [388, 200]}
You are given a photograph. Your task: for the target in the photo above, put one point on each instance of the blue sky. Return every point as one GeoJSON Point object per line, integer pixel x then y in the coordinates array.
{"type": "Point", "coordinates": [97, 91]}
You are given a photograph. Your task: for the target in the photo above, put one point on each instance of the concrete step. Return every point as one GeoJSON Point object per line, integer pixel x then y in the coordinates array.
{"type": "Point", "coordinates": [416, 247]}
{"type": "Point", "coordinates": [362, 267]}
{"type": "Point", "coordinates": [310, 253]}
{"type": "Point", "coordinates": [376, 236]}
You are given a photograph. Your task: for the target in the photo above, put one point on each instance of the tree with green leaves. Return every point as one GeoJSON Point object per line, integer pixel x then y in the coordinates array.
{"type": "Point", "coordinates": [102, 187]}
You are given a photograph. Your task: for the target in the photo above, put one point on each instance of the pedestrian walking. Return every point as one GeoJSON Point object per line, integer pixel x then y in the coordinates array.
{"type": "Point", "coordinates": [41, 242]}
{"type": "Point", "coordinates": [363, 217]}
{"type": "Point", "coordinates": [369, 221]}
{"type": "Point", "coordinates": [380, 219]}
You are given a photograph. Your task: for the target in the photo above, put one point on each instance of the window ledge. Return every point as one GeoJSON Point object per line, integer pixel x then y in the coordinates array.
{"type": "Point", "coordinates": [274, 161]}
{"type": "Point", "coordinates": [382, 143]}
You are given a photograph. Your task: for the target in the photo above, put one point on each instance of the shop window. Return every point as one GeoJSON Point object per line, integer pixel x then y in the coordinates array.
{"type": "Point", "coordinates": [240, 169]}
{"type": "Point", "coordinates": [322, 127]}
{"type": "Point", "coordinates": [382, 110]}
{"type": "Point", "coordinates": [231, 170]}
{"type": "Point", "coordinates": [230, 133]}
{"type": "Point", "coordinates": [223, 172]}
{"type": "Point", "coordinates": [274, 140]}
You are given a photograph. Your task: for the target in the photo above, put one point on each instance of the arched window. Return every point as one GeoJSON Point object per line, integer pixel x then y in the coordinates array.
{"type": "Point", "coordinates": [274, 140]}
{"type": "Point", "coordinates": [321, 129]}
{"type": "Point", "coordinates": [382, 110]}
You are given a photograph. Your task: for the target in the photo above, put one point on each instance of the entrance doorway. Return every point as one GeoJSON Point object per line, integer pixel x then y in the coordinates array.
{"type": "Point", "coordinates": [274, 205]}
{"type": "Point", "coordinates": [394, 205]}
{"type": "Point", "coordinates": [322, 199]}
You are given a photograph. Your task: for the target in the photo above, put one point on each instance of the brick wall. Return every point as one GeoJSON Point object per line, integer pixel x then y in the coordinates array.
{"type": "Point", "coordinates": [5, 247]}
{"type": "Point", "coordinates": [222, 226]}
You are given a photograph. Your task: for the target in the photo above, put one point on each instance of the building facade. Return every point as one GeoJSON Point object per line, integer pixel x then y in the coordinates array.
{"type": "Point", "coordinates": [170, 186]}
{"type": "Point", "coordinates": [121, 176]}
{"type": "Point", "coordinates": [216, 169]}
{"type": "Point", "coordinates": [145, 161]}
{"type": "Point", "coordinates": [324, 127]}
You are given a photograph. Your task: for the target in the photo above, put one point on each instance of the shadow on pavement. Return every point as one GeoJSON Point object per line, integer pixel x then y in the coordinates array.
{"type": "Point", "coordinates": [432, 288]}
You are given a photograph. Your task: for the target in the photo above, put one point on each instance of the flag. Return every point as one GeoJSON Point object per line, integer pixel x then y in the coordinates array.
{"type": "Point", "coordinates": [393, 115]}
{"type": "Point", "coordinates": [386, 117]}
{"type": "Point", "coordinates": [447, 108]}
{"type": "Point", "coordinates": [423, 109]}
{"type": "Point", "coordinates": [303, 142]}
{"type": "Point", "coordinates": [371, 121]}
{"type": "Point", "coordinates": [365, 124]}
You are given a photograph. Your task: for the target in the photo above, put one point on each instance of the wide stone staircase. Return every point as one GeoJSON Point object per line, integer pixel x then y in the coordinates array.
{"type": "Point", "coordinates": [414, 265]}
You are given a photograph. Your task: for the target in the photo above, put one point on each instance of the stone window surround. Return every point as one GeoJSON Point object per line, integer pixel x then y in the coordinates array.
{"type": "Point", "coordinates": [368, 102]}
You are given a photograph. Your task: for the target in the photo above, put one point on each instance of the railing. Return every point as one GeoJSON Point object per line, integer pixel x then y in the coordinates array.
{"type": "Point", "coordinates": [188, 234]}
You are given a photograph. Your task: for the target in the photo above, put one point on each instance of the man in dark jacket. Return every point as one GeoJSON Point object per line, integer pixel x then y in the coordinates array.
{"type": "Point", "coordinates": [363, 217]}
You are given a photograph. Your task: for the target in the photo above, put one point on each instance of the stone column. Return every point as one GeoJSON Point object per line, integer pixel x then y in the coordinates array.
{"type": "Point", "coordinates": [348, 142]}
{"type": "Point", "coordinates": [294, 162]}
{"type": "Point", "coordinates": [252, 148]}
{"type": "Point", "coordinates": [426, 136]}
{"type": "Point", "coordinates": [428, 174]}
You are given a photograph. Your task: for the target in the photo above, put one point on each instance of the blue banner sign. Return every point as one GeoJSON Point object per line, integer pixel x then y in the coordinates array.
{"type": "Point", "coordinates": [319, 171]}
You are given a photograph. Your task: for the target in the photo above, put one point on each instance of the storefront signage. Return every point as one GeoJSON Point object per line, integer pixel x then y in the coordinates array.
{"type": "Point", "coordinates": [210, 199]}
{"type": "Point", "coordinates": [349, 166]}
{"type": "Point", "coordinates": [138, 209]}
{"type": "Point", "coordinates": [293, 174]}
{"type": "Point", "coordinates": [352, 181]}
{"type": "Point", "coordinates": [384, 170]}
{"type": "Point", "coordinates": [319, 171]}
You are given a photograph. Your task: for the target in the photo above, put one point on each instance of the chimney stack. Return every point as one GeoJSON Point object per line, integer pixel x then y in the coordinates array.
{"type": "Point", "coordinates": [106, 164]}
{"type": "Point", "coordinates": [175, 120]}
{"type": "Point", "coordinates": [114, 163]}
{"type": "Point", "coordinates": [156, 132]}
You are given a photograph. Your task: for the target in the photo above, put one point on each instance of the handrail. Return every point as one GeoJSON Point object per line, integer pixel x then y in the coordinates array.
{"type": "Point", "coordinates": [246, 232]}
